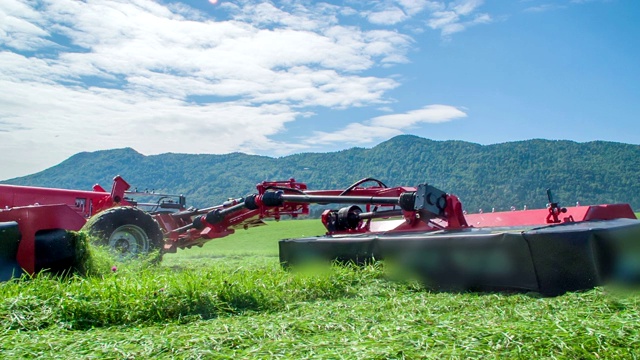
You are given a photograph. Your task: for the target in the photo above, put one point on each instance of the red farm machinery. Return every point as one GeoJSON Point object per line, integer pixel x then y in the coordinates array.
{"type": "Point", "coordinates": [422, 228]}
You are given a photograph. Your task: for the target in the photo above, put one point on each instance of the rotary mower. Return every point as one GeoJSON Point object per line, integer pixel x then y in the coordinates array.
{"type": "Point", "coordinates": [421, 228]}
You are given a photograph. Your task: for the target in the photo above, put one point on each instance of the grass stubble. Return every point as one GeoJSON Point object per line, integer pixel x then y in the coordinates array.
{"type": "Point", "coordinates": [231, 299]}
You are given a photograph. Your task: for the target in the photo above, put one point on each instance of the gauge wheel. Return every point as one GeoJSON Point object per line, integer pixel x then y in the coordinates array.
{"type": "Point", "coordinates": [127, 230]}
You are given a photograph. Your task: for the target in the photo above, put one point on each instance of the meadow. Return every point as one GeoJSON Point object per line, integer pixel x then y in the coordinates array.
{"type": "Point", "coordinates": [231, 299]}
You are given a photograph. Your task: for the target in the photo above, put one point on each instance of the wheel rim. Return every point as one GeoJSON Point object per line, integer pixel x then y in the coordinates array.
{"type": "Point", "coordinates": [129, 240]}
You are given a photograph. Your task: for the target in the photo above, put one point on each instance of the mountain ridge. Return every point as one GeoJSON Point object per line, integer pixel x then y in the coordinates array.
{"type": "Point", "coordinates": [483, 176]}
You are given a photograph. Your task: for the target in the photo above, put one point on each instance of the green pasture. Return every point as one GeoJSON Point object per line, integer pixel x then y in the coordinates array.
{"type": "Point", "coordinates": [230, 299]}
{"type": "Point", "coordinates": [259, 244]}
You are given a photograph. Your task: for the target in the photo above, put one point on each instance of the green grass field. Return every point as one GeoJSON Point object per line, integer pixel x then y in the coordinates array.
{"type": "Point", "coordinates": [230, 299]}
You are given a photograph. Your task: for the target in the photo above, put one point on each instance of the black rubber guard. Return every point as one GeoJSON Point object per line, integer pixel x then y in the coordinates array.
{"type": "Point", "coordinates": [9, 242]}
{"type": "Point", "coordinates": [55, 251]}
{"type": "Point", "coordinates": [550, 260]}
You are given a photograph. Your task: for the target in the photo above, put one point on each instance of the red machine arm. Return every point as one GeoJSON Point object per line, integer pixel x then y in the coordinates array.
{"type": "Point", "coordinates": [423, 207]}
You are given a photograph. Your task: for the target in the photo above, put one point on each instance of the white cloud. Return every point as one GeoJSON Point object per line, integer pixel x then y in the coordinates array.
{"type": "Point", "coordinates": [165, 77]}
{"type": "Point", "coordinates": [128, 39]}
{"type": "Point", "coordinates": [413, 7]}
{"type": "Point", "coordinates": [431, 114]}
{"type": "Point", "coordinates": [21, 27]}
{"type": "Point", "coordinates": [590, 1]}
{"type": "Point", "coordinates": [115, 73]}
{"type": "Point", "coordinates": [352, 134]}
{"type": "Point", "coordinates": [543, 8]}
{"type": "Point", "coordinates": [389, 16]}
{"type": "Point", "coordinates": [448, 17]}
{"type": "Point", "coordinates": [466, 7]}
{"type": "Point", "coordinates": [555, 6]}
{"type": "Point", "coordinates": [457, 16]}
{"type": "Point", "coordinates": [385, 126]}
{"type": "Point", "coordinates": [73, 119]}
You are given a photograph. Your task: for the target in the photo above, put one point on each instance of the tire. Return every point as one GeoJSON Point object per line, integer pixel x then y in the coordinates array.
{"type": "Point", "coordinates": [126, 230]}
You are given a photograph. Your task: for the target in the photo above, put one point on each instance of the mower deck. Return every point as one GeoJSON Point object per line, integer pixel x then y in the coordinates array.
{"type": "Point", "coordinates": [550, 259]}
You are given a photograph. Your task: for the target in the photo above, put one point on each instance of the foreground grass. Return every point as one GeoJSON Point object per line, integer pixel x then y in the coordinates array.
{"type": "Point", "coordinates": [230, 299]}
{"type": "Point", "coordinates": [150, 296]}
{"type": "Point", "coordinates": [382, 320]}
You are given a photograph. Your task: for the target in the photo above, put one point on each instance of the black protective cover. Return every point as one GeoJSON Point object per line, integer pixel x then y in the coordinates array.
{"type": "Point", "coordinates": [550, 259]}
{"type": "Point", "coordinates": [55, 251]}
{"type": "Point", "coordinates": [9, 242]}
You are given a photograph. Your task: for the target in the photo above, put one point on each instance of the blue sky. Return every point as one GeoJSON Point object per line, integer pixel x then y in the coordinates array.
{"type": "Point", "coordinates": [275, 78]}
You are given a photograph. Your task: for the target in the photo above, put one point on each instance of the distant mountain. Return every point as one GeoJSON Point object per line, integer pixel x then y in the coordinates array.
{"type": "Point", "coordinates": [483, 176]}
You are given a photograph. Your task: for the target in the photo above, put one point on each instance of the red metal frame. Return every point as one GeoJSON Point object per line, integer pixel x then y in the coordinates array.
{"type": "Point", "coordinates": [37, 209]}
{"type": "Point", "coordinates": [540, 216]}
{"type": "Point", "coordinates": [84, 203]}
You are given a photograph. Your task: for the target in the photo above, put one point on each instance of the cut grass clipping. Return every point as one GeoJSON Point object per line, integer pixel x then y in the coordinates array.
{"type": "Point", "coordinates": [98, 261]}
{"type": "Point", "coordinates": [90, 260]}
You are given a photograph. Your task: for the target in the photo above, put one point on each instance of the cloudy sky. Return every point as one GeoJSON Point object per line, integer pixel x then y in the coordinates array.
{"type": "Point", "coordinates": [275, 78]}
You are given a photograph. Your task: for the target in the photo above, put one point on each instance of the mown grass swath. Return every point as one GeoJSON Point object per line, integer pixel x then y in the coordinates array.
{"type": "Point", "coordinates": [107, 291]}
{"type": "Point", "coordinates": [148, 296]}
{"type": "Point", "coordinates": [223, 301]}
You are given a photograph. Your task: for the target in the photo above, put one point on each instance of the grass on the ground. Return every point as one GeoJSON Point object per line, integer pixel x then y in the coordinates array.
{"type": "Point", "coordinates": [230, 299]}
